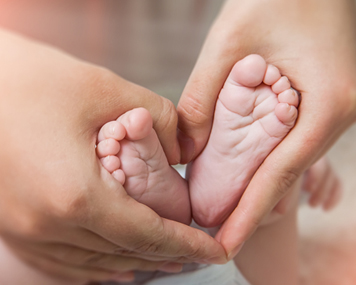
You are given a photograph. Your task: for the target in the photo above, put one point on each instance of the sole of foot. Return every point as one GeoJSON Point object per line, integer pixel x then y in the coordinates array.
{"type": "Point", "coordinates": [130, 150]}
{"type": "Point", "coordinates": [255, 110]}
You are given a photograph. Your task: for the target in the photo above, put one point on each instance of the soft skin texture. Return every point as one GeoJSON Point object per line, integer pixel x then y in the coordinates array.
{"type": "Point", "coordinates": [136, 159]}
{"type": "Point", "coordinates": [303, 40]}
{"type": "Point", "coordinates": [250, 119]}
{"type": "Point", "coordinates": [59, 209]}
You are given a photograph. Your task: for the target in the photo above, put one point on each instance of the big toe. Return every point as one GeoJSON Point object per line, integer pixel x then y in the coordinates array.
{"type": "Point", "coordinates": [249, 71]}
{"type": "Point", "coordinates": [137, 122]}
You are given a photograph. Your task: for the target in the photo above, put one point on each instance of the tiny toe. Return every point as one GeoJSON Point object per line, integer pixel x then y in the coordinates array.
{"type": "Point", "coordinates": [290, 97]}
{"type": "Point", "coordinates": [113, 129]}
{"type": "Point", "coordinates": [249, 71]}
{"type": "Point", "coordinates": [119, 175]}
{"type": "Point", "coordinates": [107, 147]}
{"type": "Point", "coordinates": [286, 113]}
{"type": "Point", "coordinates": [272, 75]}
{"type": "Point", "coordinates": [110, 163]}
{"type": "Point", "coordinates": [281, 85]}
{"type": "Point", "coordinates": [137, 122]}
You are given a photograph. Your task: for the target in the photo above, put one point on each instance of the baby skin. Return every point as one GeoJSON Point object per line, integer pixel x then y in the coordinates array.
{"type": "Point", "coordinates": [130, 149]}
{"type": "Point", "coordinates": [255, 110]}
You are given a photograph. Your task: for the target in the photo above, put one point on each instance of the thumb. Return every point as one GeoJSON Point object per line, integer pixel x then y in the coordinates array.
{"type": "Point", "coordinates": [197, 103]}
{"type": "Point", "coordinates": [139, 232]}
{"type": "Point", "coordinates": [114, 96]}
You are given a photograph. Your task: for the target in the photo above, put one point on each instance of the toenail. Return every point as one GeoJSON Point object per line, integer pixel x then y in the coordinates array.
{"type": "Point", "coordinates": [113, 129]}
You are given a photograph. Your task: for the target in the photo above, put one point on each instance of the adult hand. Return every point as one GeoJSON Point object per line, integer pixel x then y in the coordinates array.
{"type": "Point", "coordinates": [322, 184]}
{"type": "Point", "coordinates": [59, 209]}
{"type": "Point", "coordinates": [313, 43]}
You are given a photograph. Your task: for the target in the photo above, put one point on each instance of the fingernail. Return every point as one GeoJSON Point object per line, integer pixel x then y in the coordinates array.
{"type": "Point", "coordinates": [234, 252]}
{"type": "Point", "coordinates": [171, 267]}
{"type": "Point", "coordinates": [187, 147]}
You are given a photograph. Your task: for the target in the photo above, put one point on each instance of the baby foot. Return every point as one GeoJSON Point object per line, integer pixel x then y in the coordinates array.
{"type": "Point", "coordinates": [255, 110]}
{"type": "Point", "coordinates": [130, 149]}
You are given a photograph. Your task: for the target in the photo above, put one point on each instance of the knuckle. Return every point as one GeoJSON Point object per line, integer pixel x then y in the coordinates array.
{"type": "Point", "coordinates": [70, 204]}
{"type": "Point", "coordinates": [123, 251]}
{"type": "Point", "coordinates": [97, 85]}
{"type": "Point", "coordinates": [79, 257]}
{"type": "Point", "coordinates": [31, 226]}
{"type": "Point", "coordinates": [192, 111]}
{"type": "Point", "coordinates": [96, 76]}
{"type": "Point", "coordinates": [150, 242]}
{"type": "Point", "coordinates": [286, 181]}
{"type": "Point", "coordinates": [148, 247]}
{"type": "Point", "coordinates": [193, 247]}
{"type": "Point", "coordinates": [191, 250]}
{"type": "Point", "coordinates": [168, 117]}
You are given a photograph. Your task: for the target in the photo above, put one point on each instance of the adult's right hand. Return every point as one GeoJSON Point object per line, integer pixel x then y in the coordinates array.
{"type": "Point", "coordinates": [59, 209]}
{"type": "Point", "coordinates": [313, 43]}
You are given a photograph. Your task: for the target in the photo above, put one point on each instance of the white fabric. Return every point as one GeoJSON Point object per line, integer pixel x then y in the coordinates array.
{"type": "Point", "coordinates": [226, 274]}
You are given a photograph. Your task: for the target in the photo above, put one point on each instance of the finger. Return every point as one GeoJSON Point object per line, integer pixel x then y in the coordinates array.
{"type": "Point", "coordinates": [321, 181]}
{"type": "Point", "coordinates": [285, 204]}
{"type": "Point", "coordinates": [119, 96]}
{"type": "Point", "coordinates": [334, 197]}
{"type": "Point", "coordinates": [63, 271]}
{"type": "Point", "coordinates": [138, 230]}
{"type": "Point", "coordinates": [323, 189]}
{"type": "Point", "coordinates": [315, 175]}
{"type": "Point", "coordinates": [197, 103]}
{"type": "Point", "coordinates": [330, 191]}
{"type": "Point", "coordinates": [74, 256]}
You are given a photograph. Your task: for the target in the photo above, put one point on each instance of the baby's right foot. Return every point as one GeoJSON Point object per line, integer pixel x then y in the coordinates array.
{"type": "Point", "coordinates": [129, 149]}
{"type": "Point", "coordinates": [255, 110]}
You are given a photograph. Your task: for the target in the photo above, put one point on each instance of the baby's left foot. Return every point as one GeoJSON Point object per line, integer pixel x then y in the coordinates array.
{"type": "Point", "coordinates": [130, 149]}
{"type": "Point", "coordinates": [255, 110]}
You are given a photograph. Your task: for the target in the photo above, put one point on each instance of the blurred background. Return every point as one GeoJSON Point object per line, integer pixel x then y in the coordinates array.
{"type": "Point", "coordinates": [155, 43]}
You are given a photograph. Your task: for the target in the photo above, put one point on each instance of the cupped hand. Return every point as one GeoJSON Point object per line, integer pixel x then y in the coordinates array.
{"type": "Point", "coordinates": [59, 209]}
{"type": "Point", "coordinates": [313, 43]}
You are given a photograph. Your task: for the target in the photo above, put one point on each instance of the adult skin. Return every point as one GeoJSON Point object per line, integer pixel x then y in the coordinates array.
{"type": "Point", "coordinates": [313, 43]}
{"type": "Point", "coordinates": [59, 209]}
